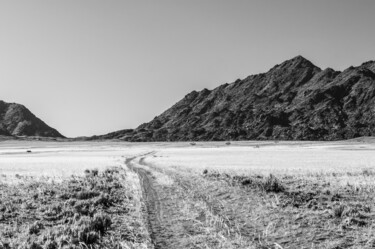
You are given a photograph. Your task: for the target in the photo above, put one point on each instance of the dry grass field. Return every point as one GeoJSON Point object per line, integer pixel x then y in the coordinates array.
{"type": "Point", "coordinates": [181, 195]}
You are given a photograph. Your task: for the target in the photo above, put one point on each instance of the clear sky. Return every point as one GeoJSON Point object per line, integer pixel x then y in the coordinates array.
{"type": "Point", "coordinates": [90, 67]}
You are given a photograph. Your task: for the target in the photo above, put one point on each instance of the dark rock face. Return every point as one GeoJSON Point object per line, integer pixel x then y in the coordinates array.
{"type": "Point", "coordinates": [17, 120]}
{"type": "Point", "coordinates": [293, 101]}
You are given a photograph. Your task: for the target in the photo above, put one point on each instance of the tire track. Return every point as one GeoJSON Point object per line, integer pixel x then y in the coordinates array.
{"type": "Point", "coordinates": [153, 205]}
{"type": "Point", "coordinates": [166, 228]}
{"type": "Point", "coordinates": [163, 231]}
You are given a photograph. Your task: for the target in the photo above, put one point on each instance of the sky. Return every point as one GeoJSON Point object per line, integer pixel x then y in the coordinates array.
{"type": "Point", "coordinates": [89, 67]}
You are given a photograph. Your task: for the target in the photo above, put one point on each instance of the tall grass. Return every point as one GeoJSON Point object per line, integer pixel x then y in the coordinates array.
{"type": "Point", "coordinates": [78, 212]}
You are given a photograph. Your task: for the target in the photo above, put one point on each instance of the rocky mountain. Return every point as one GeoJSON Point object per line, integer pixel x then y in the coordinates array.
{"type": "Point", "coordinates": [17, 120]}
{"type": "Point", "coordinates": [295, 100]}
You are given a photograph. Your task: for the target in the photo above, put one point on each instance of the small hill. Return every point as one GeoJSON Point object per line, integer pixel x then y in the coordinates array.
{"type": "Point", "coordinates": [17, 120]}
{"type": "Point", "coordinates": [294, 100]}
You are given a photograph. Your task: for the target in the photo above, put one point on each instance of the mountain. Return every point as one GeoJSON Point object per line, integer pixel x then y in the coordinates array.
{"type": "Point", "coordinates": [17, 120]}
{"type": "Point", "coordinates": [295, 100]}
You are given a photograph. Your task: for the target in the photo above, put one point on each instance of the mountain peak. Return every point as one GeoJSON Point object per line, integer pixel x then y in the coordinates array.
{"type": "Point", "coordinates": [299, 58]}
{"type": "Point", "coordinates": [297, 62]}
{"type": "Point", "coordinates": [300, 61]}
{"type": "Point", "coordinates": [16, 119]}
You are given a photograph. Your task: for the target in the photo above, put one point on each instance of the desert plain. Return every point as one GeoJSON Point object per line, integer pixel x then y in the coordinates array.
{"type": "Point", "coordinates": [253, 194]}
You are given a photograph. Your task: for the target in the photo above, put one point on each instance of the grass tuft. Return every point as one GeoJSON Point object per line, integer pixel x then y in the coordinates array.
{"type": "Point", "coordinates": [36, 227]}
{"type": "Point", "coordinates": [338, 211]}
{"type": "Point", "coordinates": [272, 184]}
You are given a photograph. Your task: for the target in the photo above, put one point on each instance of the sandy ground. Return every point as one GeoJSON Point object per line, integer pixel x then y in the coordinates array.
{"type": "Point", "coordinates": [62, 159]}
{"type": "Point", "coordinates": [270, 158]}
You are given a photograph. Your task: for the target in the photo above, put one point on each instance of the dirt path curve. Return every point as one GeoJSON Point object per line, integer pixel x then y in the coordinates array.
{"type": "Point", "coordinates": [162, 211]}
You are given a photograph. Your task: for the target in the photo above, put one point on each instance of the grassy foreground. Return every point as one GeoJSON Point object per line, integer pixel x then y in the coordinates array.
{"type": "Point", "coordinates": [98, 210]}
{"type": "Point", "coordinates": [330, 210]}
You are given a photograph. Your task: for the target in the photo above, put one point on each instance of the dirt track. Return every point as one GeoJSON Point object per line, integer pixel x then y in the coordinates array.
{"type": "Point", "coordinates": [162, 204]}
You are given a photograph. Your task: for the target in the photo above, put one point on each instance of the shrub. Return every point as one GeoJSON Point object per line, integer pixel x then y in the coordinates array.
{"type": "Point", "coordinates": [95, 172]}
{"type": "Point", "coordinates": [91, 173]}
{"type": "Point", "coordinates": [338, 212]}
{"type": "Point", "coordinates": [83, 207]}
{"type": "Point", "coordinates": [35, 227]}
{"type": "Point", "coordinates": [272, 184]}
{"type": "Point", "coordinates": [85, 235]}
{"type": "Point", "coordinates": [83, 231]}
{"type": "Point", "coordinates": [101, 222]}
{"type": "Point", "coordinates": [246, 182]}
{"type": "Point", "coordinates": [88, 230]}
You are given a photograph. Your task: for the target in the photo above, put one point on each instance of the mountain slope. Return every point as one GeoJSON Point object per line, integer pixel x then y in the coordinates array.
{"type": "Point", "coordinates": [17, 120]}
{"type": "Point", "coordinates": [294, 101]}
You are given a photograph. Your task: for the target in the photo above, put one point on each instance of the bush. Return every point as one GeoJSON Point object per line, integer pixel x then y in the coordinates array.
{"type": "Point", "coordinates": [101, 222]}
{"type": "Point", "coordinates": [88, 230]}
{"type": "Point", "coordinates": [338, 212]}
{"type": "Point", "coordinates": [95, 172]}
{"type": "Point", "coordinates": [35, 227]}
{"type": "Point", "coordinates": [247, 181]}
{"type": "Point", "coordinates": [272, 184]}
{"type": "Point", "coordinates": [83, 231]}
{"type": "Point", "coordinates": [83, 207]}
{"type": "Point", "coordinates": [91, 173]}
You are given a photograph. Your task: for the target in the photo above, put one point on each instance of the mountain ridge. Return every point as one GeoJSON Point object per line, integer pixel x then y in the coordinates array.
{"type": "Point", "coordinates": [294, 100]}
{"type": "Point", "coordinates": [17, 120]}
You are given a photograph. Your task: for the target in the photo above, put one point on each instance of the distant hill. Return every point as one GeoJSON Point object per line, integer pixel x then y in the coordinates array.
{"type": "Point", "coordinates": [295, 100]}
{"type": "Point", "coordinates": [17, 120]}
